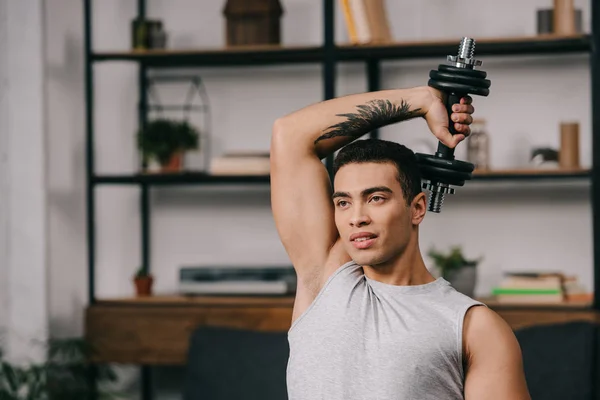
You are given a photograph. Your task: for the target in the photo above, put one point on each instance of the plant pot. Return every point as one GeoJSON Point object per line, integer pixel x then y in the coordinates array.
{"type": "Point", "coordinates": [143, 286]}
{"type": "Point", "coordinates": [174, 164]}
{"type": "Point", "coordinates": [463, 280]}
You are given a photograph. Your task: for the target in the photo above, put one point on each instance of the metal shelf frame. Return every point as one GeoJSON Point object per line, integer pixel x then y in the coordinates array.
{"type": "Point", "coordinates": [328, 55]}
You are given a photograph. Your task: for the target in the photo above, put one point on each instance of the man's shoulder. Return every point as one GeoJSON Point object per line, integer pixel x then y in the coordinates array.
{"type": "Point", "coordinates": [482, 320]}
{"type": "Point", "coordinates": [483, 328]}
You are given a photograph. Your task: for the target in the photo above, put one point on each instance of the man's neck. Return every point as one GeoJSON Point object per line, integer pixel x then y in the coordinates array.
{"type": "Point", "coordinates": [406, 269]}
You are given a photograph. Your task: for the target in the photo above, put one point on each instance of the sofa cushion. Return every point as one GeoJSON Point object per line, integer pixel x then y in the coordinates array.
{"type": "Point", "coordinates": [559, 360]}
{"type": "Point", "coordinates": [231, 364]}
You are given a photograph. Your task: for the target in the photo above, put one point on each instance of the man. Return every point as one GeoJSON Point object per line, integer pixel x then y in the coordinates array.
{"type": "Point", "coordinates": [369, 320]}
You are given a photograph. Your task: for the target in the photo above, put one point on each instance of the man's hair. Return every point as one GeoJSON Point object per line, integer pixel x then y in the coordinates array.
{"type": "Point", "coordinates": [382, 151]}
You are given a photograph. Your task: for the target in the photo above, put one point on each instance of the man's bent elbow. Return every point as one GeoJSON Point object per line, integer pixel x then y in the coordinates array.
{"type": "Point", "coordinates": [279, 135]}
{"type": "Point", "coordinates": [284, 141]}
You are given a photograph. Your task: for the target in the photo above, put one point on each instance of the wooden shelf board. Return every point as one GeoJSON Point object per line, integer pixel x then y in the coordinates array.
{"type": "Point", "coordinates": [156, 330]}
{"type": "Point", "coordinates": [532, 173]}
{"type": "Point", "coordinates": [566, 305]}
{"type": "Point", "coordinates": [518, 45]}
{"type": "Point", "coordinates": [542, 38]}
{"type": "Point", "coordinates": [180, 300]}
{"type": "Point", "coordinates": [180, 179]}
{"type": "Point", "coordinates": [288, 301]}
{"type": "Point", "coordinates": [279, 54]}
{"type": "Point", "coordinates": [236, 55]}
{"type": "Point", "coordinates": [194, 178]}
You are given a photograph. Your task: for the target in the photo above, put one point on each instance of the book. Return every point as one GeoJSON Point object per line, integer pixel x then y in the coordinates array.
{"type": "Point", "coordinates": [530, 287]}
{"type": "Point", "coordinates": [366, 21]}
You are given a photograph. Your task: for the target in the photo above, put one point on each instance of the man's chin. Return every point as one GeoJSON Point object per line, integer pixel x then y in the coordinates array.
{"type": "Point", "coordinates": [365, 257]}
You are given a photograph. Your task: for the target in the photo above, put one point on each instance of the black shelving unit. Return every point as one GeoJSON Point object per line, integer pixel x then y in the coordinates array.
{"type": "Point", "coordinates": [199, 178]}
{"type": "Point", "coordinates": [266, 55]}
{"type": "Point", "coordinates": [328, 55]}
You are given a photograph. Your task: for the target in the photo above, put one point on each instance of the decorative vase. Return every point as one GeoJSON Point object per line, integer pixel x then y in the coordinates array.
{"type": "Point", "coordinates": [174, 164]}
{"type": "Point", "coordinates": [564, 17]}
{"type": "Point", "coordinates": [463, 280]}
{"type": "Point", "coordinates": [143, 286]}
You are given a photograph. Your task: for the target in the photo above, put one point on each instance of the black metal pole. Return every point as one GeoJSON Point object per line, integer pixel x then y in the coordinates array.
{"type": "Point", "coordinates": [595, 195]}
{"type": "Point", "coordinates": [146, 377]}
{"type": "Point", "coordinates": [329, 61]}
{"type": "Point", "coordinates": [145, 189]}
{"type": "Point", "coordinates": [89, 167]}
{"type": "Point", "coordinates": [373, 82]}
{"type": "Point", "coordinates": [147, 392]}
{"type": "Point", "coordinates": [89, 149]}
{"type": "Point", "coordinates": [142, 119]}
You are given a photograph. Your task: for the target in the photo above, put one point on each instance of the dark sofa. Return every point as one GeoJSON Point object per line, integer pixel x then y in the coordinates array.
{"type": "Point", "coordinates": [560, 362]}
{"type": "Point", "coordinates": [235, 364]}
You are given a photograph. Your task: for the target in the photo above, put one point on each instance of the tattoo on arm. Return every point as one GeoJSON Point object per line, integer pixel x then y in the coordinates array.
{"type": "Point", "coordinates": [372, 115]}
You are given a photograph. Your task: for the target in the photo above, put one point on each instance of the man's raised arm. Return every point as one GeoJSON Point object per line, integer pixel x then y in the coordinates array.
{"type": "Point", "coordinates": [300, 187]}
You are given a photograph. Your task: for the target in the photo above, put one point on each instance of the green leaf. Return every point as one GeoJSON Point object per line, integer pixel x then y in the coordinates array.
{"type": "Point", "coordinates": [5, 395]}
{"type": "Point", "coordinates": [162, 137]}
{"type": "Point", "coordinates": [453, 260]}
{"type": "Point", "coordinates": [64, 375]}
{"type": "Point", "coordinates": [11, 377]}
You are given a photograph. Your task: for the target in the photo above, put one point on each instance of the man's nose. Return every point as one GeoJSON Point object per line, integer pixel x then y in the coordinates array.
{"type": "Point", "coordinates": [360, 218]}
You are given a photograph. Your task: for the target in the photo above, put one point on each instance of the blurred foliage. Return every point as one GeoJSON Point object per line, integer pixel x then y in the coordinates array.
{"type": "Point", "coordinates": [142, 273]}
{"type": "Point", "coordinates": [65, 375]}
{"type": "Point", "coordinates": [161, 138]}
{"type": "Point", "coordinates": [452, 261]}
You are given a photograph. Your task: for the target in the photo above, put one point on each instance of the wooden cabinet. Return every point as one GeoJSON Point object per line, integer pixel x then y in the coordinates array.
{"type": "Point", "coordinates": [523, 315]}
{"type": "Point", "coordinates": [156, 330]}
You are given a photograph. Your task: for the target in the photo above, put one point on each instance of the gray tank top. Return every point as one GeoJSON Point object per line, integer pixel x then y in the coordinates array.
{"type": "Point", "coordinates": [364, 339]}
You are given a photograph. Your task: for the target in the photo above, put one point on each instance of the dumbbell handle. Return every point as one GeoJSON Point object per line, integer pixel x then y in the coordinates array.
{"type": "Point", "coordinates": [444, 151]}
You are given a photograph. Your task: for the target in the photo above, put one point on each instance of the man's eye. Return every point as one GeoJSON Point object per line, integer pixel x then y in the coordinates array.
{"type": "Point", "coordinates": [376, 198]}
{"type": "Point", "coordinates": [342, 203]}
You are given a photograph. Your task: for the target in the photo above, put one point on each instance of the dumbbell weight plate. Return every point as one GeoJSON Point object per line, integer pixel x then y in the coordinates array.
{"type": "Point", "coordinates": [453, 172]}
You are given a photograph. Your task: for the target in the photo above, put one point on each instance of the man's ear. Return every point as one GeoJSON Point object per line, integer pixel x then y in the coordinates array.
{"type": "Point", "coordinates": [418, 208]}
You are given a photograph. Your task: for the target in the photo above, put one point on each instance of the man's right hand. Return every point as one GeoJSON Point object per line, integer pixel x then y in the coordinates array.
{"type": "Point", "coordinates": [436, 116]}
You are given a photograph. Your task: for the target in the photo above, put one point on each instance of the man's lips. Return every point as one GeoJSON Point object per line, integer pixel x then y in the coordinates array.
{"type": "Point", "coordinates": [362, 235]}
{"type": "Point", "coordinates": [363, 240]}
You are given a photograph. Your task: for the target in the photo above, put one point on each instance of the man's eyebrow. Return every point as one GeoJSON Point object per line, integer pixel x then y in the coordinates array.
{"type": "Point", "coordinates": [340, 194]}
{"type": "Point", "coordinates": [365, 192]}
{"type": "Point", "coordinates": [376, 189]}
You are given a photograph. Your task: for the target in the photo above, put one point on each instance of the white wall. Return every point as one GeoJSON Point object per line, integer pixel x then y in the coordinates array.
{"type": "Point", "coordinates": [533, 227]}
{"type": "Point", "coordinates": [3, 179]}
{"type": "Point", "coordinates": [23, 241]}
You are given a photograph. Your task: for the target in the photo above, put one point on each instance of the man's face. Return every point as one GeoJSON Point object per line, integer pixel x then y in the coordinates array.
{"type": "Point", "coordinates": [371, 215]}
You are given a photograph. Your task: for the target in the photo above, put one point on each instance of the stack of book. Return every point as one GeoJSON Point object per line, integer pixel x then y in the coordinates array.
{"type": "Point", "coordinates": [366, 21]}
{"type": "Point", "coordinates": [531, 287]}
{"type": "Point", "coordinates": [241, 163]}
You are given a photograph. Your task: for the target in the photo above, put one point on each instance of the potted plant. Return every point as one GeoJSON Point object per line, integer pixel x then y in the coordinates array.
{"type": "Point", "coordinates": [456, 269]}
{"type": "Point", "coordinates": [165, 141]}
{"type": "Point", "coordinates": [143, 281]}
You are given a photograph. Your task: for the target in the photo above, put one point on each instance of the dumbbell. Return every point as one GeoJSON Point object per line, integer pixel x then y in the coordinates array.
{"type": "Point", "coordinates": [440, 171]}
